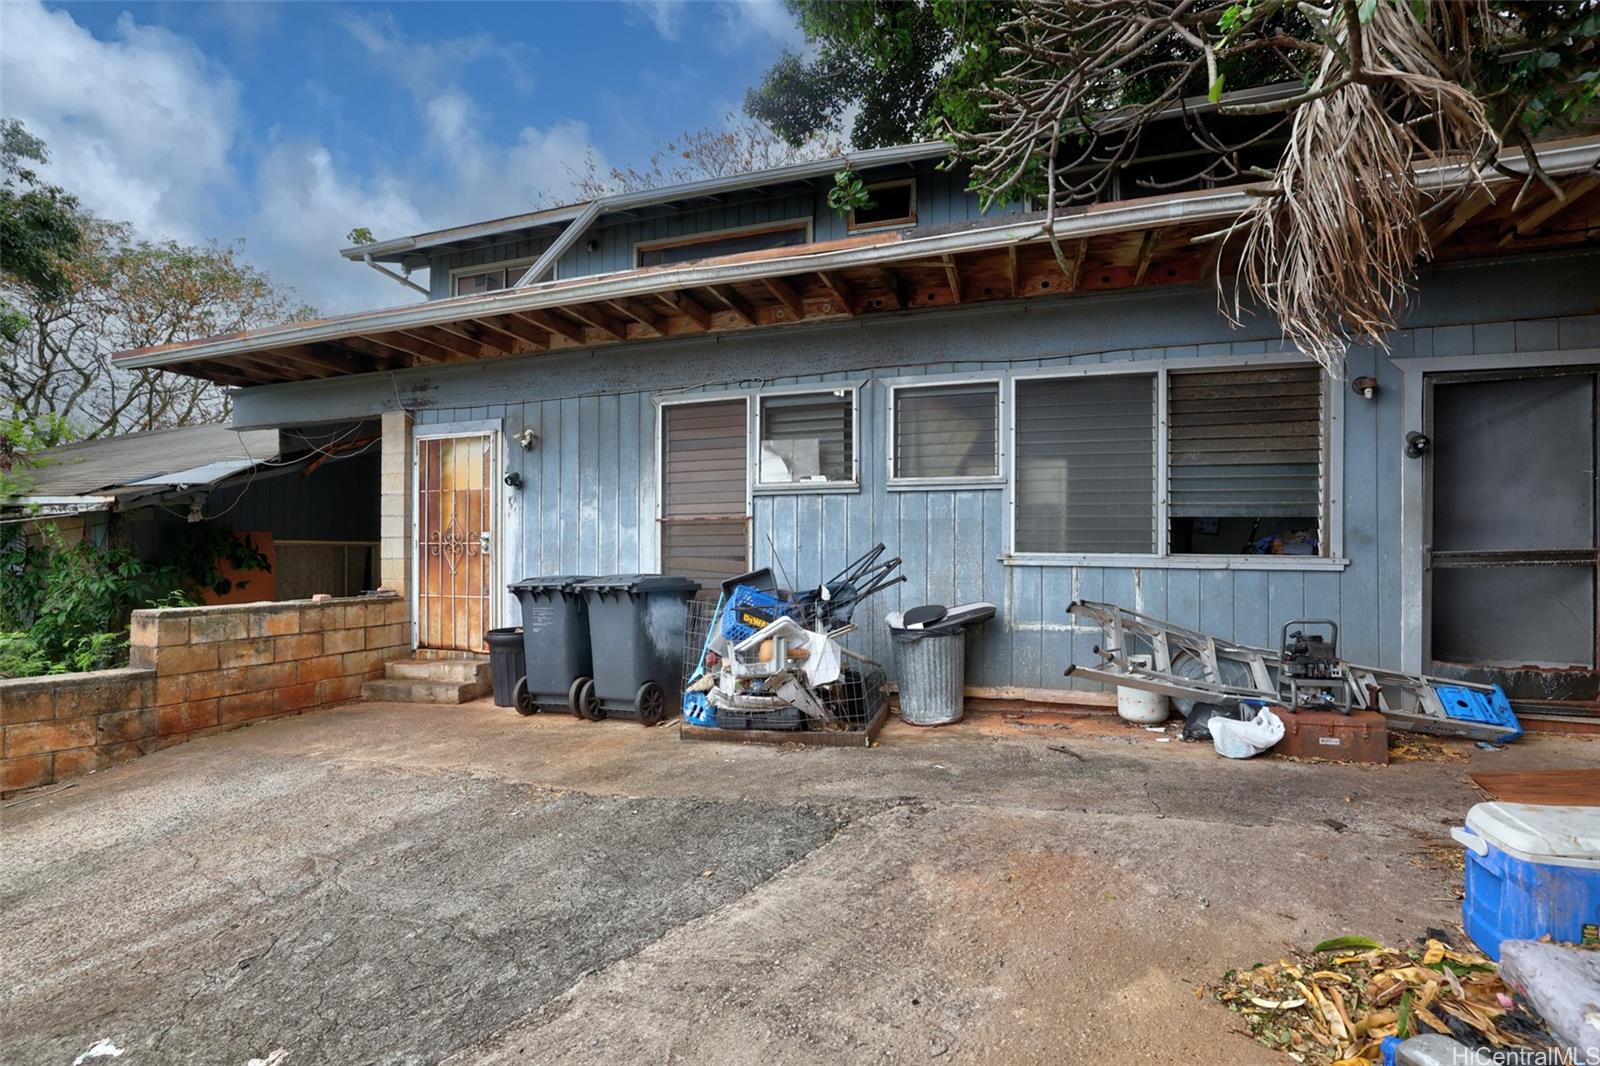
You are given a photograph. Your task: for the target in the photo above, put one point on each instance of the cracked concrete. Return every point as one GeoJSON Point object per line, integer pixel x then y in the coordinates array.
{"type": "Point", "coordinates": [409, 885]}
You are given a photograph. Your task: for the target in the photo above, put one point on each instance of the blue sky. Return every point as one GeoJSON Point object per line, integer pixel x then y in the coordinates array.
{"type": "Point", "coordinates": [287, 124]}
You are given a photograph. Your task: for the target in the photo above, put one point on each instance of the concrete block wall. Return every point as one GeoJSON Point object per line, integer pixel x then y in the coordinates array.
{"type": "Point", "coordinates": [394, 506]}
{"type": "Point", "coordinates": [195, 671]}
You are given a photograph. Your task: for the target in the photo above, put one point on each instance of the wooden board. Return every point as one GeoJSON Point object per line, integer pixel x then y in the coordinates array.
{"type": "Point", "coordinates": [818, 739]}
{"type": "Point", "coordinates": [1580, 788]}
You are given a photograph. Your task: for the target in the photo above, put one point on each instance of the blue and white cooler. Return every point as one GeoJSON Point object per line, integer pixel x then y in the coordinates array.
{"type": "Point", "coordinates": [1531, 871]}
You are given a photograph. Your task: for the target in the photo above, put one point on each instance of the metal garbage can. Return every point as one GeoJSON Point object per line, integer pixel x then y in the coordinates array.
{"type": "Point", "coordinates": [931, 661]}
{"type": "Point", "coordinates": [506, 666]}
{"type": "Point", "coordinates": [555, 635]}
{"type": "Point", "coordinates": [636, 630]}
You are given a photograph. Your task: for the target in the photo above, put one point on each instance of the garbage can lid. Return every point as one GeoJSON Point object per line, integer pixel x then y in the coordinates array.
{"type": "Point", "coordinates": [553, 583]}
{"type": "Point", "coordinates": [640, 583]}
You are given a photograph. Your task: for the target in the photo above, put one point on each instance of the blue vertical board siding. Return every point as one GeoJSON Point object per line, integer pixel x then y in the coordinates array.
{"type": "Point", "coordinates": [941, 199]}
{"type": "Point", "coordinates": [589, 500]}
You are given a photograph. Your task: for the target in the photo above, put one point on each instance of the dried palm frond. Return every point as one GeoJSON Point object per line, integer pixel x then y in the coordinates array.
{"type": "Point", "coordinates": [1331, 249]}
{"type": "Point", "coordinates": [1331, 245]}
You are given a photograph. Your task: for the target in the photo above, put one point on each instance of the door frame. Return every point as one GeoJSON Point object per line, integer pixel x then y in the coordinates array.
{"type": "Point", "coordinates": [680, 400]}
{"type": "Point", "coordinates": [492, 428]}
{"type": "Point", "coordinates": [1415, 516]}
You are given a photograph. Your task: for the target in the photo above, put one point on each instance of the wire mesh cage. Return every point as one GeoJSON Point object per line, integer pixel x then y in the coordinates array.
{"type": "Point", "coordinates": [769, 694]}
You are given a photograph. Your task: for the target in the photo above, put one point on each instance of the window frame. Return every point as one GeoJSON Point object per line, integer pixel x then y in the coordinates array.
{"type": "Point", "coordinates": [1330, 520]}
{"type": "Point", "coordinates": [502, 265]}
{"type": "Point", "coordinates": [769, 488]}
{"type": "Point", "coordinates": [802, 223]}
{"type": "Point", "coordinates": [894, 386]}
{"type": "Point", "coordinates": [852, 226]}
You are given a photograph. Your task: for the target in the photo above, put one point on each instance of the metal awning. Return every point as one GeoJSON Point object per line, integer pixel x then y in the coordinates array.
{"type": "Point", "coordinates": [1151, 241]}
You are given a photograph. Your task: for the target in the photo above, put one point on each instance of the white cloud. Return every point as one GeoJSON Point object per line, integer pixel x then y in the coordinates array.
{"type": "Point", "coordinates": [306, 208]}
{"type": "Point", "coordinates": [139, 127]}
{"type": "Point", "coordinates": [665, 15]}
{"type": "Point", "coordinates": [748, 21]}
{"type": "Point", "coordinates": [145, 128]}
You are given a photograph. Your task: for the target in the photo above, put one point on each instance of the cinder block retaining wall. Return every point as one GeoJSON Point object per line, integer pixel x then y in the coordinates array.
{"type": "Point", "coordinates": [195, 671]}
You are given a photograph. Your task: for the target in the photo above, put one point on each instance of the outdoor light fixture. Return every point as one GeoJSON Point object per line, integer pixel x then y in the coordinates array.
{"type": "Point", "coordinates": [1416, 444]}
{"type": "Point", "coordinates": [1366, 388]}
{"type": "Point", "coordinates": [527, 438]}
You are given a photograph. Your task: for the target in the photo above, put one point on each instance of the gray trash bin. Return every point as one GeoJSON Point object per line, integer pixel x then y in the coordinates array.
{"type": "Point", "coordinates": [933, 672]}
{"type": "Point", "coordinates": [555, 638]}
{"type": "Point", "coordinates": [932, 663]}
{"type": "Point", "coordinates": [636, 630]}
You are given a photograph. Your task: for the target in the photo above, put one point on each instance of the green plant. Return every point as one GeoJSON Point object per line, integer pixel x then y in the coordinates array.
{"type": "Point", "coordinates": [849, 193]}
{"type": "Point", "coordinates": [200, 549]}
{"type": "Point", "coordinates": [66, 605]}
{"type": "Point", "coordinates": [21, 655]}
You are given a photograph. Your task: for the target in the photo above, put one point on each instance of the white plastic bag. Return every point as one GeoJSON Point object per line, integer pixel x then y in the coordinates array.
{"type": "Point", "coordinates": [1241, 740]}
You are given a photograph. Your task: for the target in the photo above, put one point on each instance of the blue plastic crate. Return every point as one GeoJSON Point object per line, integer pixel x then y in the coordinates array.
{"type": "Point", "coordinates": [698, 711]}
{"type": "Point", "coordinates": [748, 610]}
{"type": "Point", "coordinates": [1474, 705]}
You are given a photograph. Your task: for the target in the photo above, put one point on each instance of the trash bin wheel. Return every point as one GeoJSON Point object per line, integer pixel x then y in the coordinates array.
{"type": "Point", "coordinates": [521, 700]}
{"type": "Point", "coordinates": [574, 691]}
{"type": "Point", "coordinates": [651, 703]}
{"type": "Point", "coordinates": [587, 703]}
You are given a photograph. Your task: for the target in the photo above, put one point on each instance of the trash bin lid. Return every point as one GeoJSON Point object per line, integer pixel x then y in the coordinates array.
{"type": "Point", "coordinates": [640, 583]}
{"type": "Point", "coordinates": [555, 583]}
{"type": "Point", "coordinates": [1559, 835]}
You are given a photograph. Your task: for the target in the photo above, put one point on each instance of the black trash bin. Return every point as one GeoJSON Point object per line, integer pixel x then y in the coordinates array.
{"type": "Point", "coordinates": [555, 635]}
{"type": "Point", "coordinates": [506, 666]}
{"type": "Point", "coordinates": [636, 628]}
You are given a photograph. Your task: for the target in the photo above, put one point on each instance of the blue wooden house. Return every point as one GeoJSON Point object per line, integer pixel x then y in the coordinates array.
{"type": "Point", "coordinates": [727, 374]}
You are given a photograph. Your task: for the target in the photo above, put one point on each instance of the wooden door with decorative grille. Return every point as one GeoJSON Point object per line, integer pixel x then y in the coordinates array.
{"type": "Point", "coordinates": [456, 520]}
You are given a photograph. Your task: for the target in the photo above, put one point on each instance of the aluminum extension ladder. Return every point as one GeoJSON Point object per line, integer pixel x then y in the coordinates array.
{"type": "Point", "coordinates": [1189, 664]}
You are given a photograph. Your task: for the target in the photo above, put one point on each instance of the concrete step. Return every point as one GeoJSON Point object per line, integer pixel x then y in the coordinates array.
{"type": "Point", "coordinates": [403, 690]}
{"type": "Point", "coordinates": [460, 671]}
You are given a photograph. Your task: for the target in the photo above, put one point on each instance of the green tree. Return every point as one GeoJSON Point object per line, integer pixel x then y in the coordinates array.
{"type": "Point", "coordinates": [124, 292]}
{"type": "Point", "coordinates": [892, 70]}
{"type": "Point", "coordinates": [40, 226]}
{"type": "Point", "coordinates": [22, 437]}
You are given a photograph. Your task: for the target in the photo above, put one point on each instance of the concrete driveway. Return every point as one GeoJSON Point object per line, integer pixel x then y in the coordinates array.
{"type": "Point", "coordinates": [390, 884]}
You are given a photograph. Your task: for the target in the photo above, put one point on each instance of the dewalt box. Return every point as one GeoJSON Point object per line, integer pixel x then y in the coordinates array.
{"type": "Point", "coordinates": [1360, 736]}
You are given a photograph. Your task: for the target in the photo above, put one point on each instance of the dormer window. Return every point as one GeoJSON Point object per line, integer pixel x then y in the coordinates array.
{"type": "Point", "coordinates": [475, 280]}
{"type": "Point", "coordinates": [693, 247]}
{"type": "Point", "coordinates": [894, 203]}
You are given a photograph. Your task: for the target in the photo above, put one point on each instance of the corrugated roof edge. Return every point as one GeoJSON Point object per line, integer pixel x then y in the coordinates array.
{"type": "Point", "coordinates": [1576, 155]}
{"type": "Point", "coordinates": [873, 157]}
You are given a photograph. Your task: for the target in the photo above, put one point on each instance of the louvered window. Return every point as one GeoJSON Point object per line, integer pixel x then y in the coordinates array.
{"type": "Point", "coordinates": [1244, 469]}
{"type": "Point", "coordinates": [808, 439]}
{"type": "Point", "coordinates": [946, 431]}
{"type": "Point", "coordinates": [1085, 465]}
{"type": "Point", "coordinates": [1245, 461]}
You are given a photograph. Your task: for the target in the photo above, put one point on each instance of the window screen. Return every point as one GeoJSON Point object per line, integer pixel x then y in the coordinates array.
{"type": "Point", "coordinates": [1085, 465]}
{"type": "Point", "coordinates": [490, 280]}
{"type": "Point", "coordinates": [806, 438]}
{"type": "Point", "coordinates": [946, 431]}
{"type": "Point", "coordinates": [486, 281]}
{"type": "Point", "coordinates": [1245, 461]}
